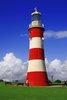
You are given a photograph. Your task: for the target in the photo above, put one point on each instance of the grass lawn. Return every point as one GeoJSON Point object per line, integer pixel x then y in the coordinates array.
{"type": "Point", "coordinates": [32, 93]}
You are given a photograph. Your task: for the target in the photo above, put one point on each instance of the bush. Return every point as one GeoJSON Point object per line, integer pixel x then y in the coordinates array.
{"type": "Point", "coordinates": [57, 81]}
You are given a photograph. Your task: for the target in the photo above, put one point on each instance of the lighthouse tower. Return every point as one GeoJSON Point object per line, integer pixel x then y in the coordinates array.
{"type": "Point", "coordinates": [36, 74]}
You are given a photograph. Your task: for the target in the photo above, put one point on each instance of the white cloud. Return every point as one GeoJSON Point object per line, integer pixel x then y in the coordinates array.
{"type": "Point", "coordinates": [51, 34]}
{"type": "Point", "coordinates": [55, 34]}
{"type": "Point", "coordinates": [12, 68]}
{"type": "Point", "coordinates": [57, 69]}
{"type": "Point", "coordinates": [24, 35]}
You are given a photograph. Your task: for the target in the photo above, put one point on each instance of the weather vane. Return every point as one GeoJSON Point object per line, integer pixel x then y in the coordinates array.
{"type": "Point", "coordinates": [35, 9]}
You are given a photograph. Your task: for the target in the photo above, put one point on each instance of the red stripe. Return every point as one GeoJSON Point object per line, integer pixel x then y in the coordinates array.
{"type": "Point", "coordinates": [36, 32]}
{"type": "Point", "coordinates": [36, 53]}
{"type": "Point", "coordinates": [37, 79]}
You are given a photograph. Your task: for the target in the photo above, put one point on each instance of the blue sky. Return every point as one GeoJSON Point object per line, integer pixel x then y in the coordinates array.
{"type": "Point", "coordinates": [15, 18]}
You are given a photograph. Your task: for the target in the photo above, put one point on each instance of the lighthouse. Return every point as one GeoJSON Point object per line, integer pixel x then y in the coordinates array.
{"type": "Point", "coordinates": [36, 74]}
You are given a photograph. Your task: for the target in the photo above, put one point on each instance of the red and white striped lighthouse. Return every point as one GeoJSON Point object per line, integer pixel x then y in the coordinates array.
{"type": "Point", "coordinates": [36, 74]}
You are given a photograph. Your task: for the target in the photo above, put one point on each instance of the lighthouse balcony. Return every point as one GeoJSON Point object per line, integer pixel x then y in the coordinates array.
{"type": "Point", "coordinates": [36, 24]}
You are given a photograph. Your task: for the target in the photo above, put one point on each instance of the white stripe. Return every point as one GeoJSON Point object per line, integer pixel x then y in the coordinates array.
{"type": "Point", "coordinates": [36, 42]}
{"type": "Point", "coordinates": [36, 65]}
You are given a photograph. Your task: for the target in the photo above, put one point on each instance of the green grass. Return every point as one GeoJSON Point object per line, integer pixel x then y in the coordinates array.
{"type": "Point", "coordinates": [32, 93]}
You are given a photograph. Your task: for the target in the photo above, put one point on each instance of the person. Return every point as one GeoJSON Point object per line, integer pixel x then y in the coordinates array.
{"type": "Point", "coordinates": [26, 83]}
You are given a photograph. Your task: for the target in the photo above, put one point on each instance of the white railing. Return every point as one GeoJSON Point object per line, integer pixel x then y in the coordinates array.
{"type": "Point", "coordinates": [30, 26]}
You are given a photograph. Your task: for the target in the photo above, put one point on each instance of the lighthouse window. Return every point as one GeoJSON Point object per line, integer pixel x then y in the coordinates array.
{"type": "Point", "coordinates": [35, 17]}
